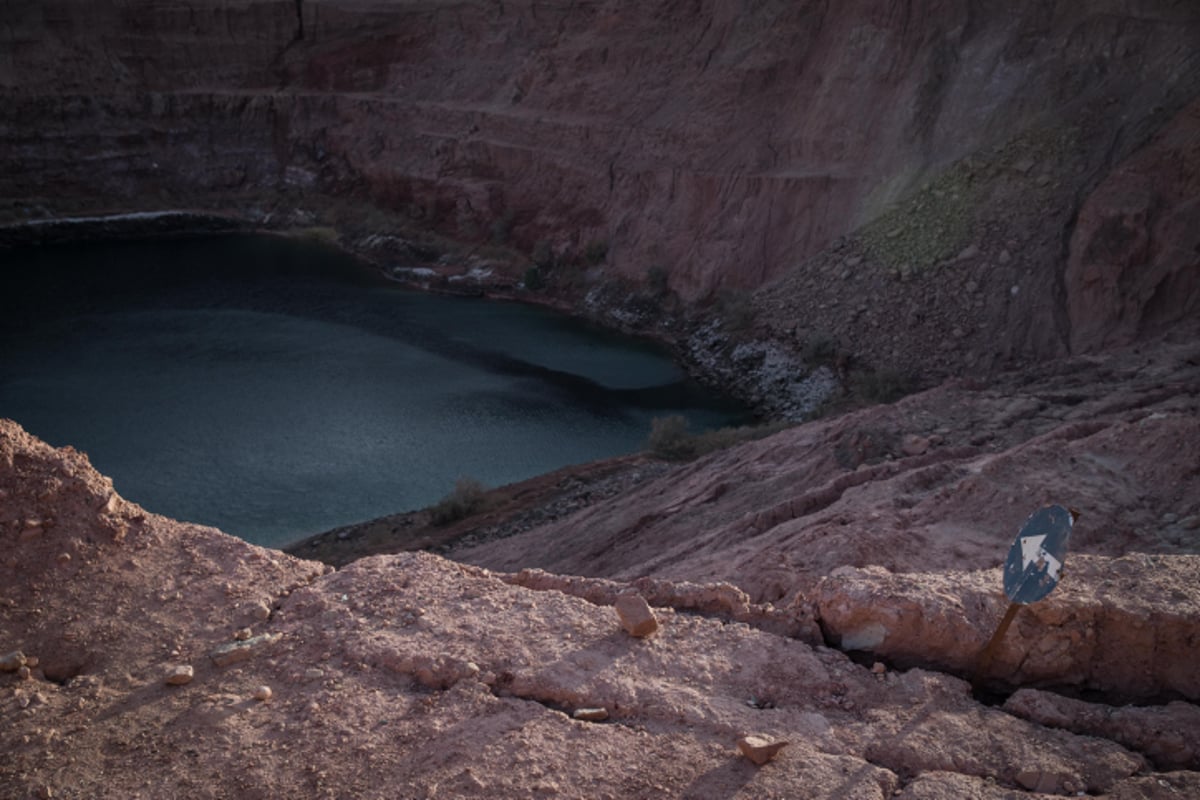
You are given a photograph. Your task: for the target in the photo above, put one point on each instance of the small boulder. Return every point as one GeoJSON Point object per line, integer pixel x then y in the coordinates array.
{"type": "Point", "coordinates": [636, 617]}
{"type": "Point", "coordinates": [180, 675]}
{"type": "Point", "coordinates": [262, 693]}
{"type": "Point", "coordinates": [11, 662]}
{"type": "Point", "coordinates": [760, 749]}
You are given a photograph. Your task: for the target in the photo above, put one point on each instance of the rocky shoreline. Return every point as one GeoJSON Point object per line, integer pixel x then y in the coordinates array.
{"type": "Point", "coordinates": [770, 379]}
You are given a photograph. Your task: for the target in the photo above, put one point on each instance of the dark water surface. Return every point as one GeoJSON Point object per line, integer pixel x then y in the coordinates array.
{"type": "Point", "coordinates": [276, 389]}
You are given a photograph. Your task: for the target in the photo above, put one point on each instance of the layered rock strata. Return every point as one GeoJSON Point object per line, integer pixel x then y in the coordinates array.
{"type": "Point", "coordinates": [711, 149]}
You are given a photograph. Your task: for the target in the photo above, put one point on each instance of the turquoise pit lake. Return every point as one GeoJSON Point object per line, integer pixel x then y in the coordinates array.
{"type": "Point", "coordinates": [275, 388]}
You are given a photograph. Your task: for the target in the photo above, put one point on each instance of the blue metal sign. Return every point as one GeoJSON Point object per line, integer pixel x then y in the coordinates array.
{"type": "Point", "coordinates": [1035, 560]}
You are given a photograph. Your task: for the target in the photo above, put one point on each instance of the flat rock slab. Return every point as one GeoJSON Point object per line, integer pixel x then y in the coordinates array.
{"type": "Point", "coordinates": [760, 749]}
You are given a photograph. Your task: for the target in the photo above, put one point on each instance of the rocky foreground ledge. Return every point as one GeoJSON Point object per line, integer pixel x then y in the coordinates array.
{"type": "Point", "coordinates": [146, 658]}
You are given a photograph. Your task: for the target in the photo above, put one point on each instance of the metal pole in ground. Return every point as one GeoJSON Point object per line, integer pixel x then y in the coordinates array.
{"type": "Point", "coordinates": [1031, 571]}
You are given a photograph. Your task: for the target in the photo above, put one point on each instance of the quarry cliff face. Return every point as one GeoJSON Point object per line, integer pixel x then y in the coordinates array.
{"type": "Point", "coordinates": [719, 147]}
{"type": "Point", "coordinates": [918, 184]}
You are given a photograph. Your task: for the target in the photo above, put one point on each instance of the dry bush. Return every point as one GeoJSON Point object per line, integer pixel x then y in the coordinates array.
{"type": "Point", "coordinates": [469, 497]}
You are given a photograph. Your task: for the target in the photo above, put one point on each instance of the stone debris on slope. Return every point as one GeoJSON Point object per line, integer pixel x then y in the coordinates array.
{"type": "Point", "coordinates": [719, 599]}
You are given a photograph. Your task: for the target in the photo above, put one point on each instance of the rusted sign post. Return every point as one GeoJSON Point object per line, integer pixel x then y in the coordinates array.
{"type": "Point", "coordinates": [1031, 571]}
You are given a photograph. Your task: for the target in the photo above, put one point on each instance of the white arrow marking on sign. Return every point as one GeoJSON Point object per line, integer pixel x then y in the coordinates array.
{"type": "Point", "coordinates": [1031, 546]}
{"type": "Point", "coordinates": [1032, 551]}
{"type": "Point", "coordinates": [1053, 565]}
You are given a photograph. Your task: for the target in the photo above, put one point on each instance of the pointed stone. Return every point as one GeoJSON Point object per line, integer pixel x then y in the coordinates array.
{"type": "Point", "coordinates": [636, 617]}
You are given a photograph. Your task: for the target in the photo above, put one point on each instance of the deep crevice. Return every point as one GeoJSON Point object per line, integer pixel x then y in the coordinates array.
{"type": "Point", "coordinates": [299, 20]}
{"type": "Point", "coordinates": [500, 690]}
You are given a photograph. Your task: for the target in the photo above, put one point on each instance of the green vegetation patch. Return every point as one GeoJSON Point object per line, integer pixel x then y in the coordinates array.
{"type": "Point", "coordinates": [884, 386]}
{"type": "Point", "coordinates": [938, 221]}
{"type": "Point", "coordinates": [322, 234]}
{"type": "Point", "coordinates": [534, 280]}
{"type": "Point", "coordinates": [932, 226]}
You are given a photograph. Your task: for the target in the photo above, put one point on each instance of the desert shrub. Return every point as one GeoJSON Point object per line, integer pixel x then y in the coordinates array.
{"type": "Point", "coordinates": [596, 251]}
{"type": "Point", "coordinates": [534, 280]}
{"type": "Point", "coordinates": [501, 228]}
{"type": "Point", "coordinates": [868, 445]}
{"type": "Point", "coordinates": [543, 254]}
{"type": "Point", "coordinates": [469, 497]}
{"type": "Point", "coordinates": [657, 279]}
{"type": "Point", "coordinates": [320, 234]}
{"type": "Point", "coordinates": [670, 439]}
{"type": "Point", "coordinates": [736, 310]}
{"type": "Point", "coordinates": [884, 386]}
{"type": "Point", "coordinates": [820, 350]}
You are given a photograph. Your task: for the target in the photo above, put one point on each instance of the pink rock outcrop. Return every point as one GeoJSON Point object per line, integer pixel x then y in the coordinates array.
{"type": "Point", "coordinates": [1169, 734]}
{"type": "Point", "coordinates": [1123, 626]}
{"type": "Point", "coordinates": [832, 521]}
{"type": "Point", "coordinates": [413, 671]}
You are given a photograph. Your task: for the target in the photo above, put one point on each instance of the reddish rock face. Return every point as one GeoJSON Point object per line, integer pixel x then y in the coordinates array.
{"type": "Point", "coordinates": [1134, 265]}
{"type": "Point", "coordinates": [721, 144]}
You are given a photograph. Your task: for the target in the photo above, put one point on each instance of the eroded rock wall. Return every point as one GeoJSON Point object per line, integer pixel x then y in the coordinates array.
{"type": "Point", "coordinates": [887, 526]}
{"type": "Point", "coordinates": [722, 144]}
{"type": "Point", "coordinates": [1134, 266]}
